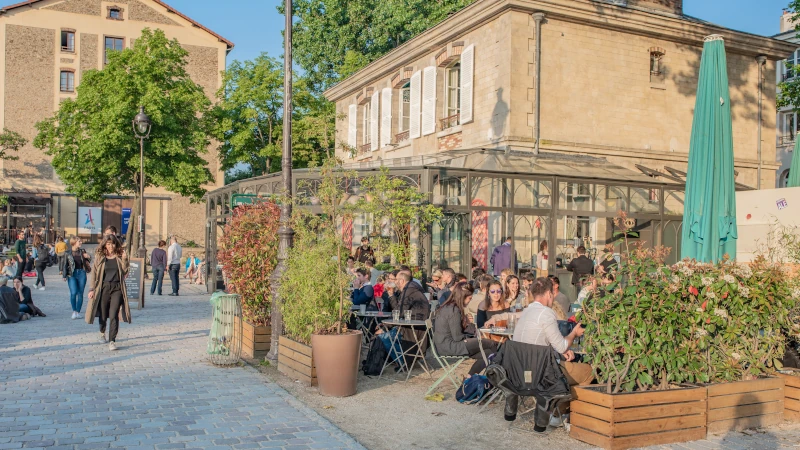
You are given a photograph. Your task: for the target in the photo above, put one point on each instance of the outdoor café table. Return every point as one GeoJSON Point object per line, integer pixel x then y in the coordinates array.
{"type": "Point", "coordinates": [415, 351]}
{"type": "Point", "coordinates": [365, 321]}
{"type": "Point", "coordinates": [503, 333]}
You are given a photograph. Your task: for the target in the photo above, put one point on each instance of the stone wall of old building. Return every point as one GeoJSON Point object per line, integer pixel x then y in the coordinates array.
{"type": "Point", "coordinates": [29, 96]}
{"type": "Point", "coordinates": [87, 7]}
{"type": "Point", "coordinates": [141, 12]}
{"type": "Point", "coordinates": [88, 51]}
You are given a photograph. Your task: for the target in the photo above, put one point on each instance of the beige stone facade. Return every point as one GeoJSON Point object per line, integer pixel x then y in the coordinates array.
{"type": "Point", "coordinates": [600, 90]}
{"type": "Point", "coordinates": [32, 61]}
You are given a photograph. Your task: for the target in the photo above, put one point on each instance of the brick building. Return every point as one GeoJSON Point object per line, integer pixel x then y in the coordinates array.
{"type": "Point", "coordinates": [616, 79]}
{"type": "Point", "coordinates": [46, 47]}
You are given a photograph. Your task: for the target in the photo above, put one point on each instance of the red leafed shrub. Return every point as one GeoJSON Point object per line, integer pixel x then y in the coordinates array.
{"type": "Point", "coordinates": [249, 255]}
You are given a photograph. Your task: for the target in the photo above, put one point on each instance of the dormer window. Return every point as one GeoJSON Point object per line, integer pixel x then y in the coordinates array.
{"type": "Point", "coordinates": [115, 13]}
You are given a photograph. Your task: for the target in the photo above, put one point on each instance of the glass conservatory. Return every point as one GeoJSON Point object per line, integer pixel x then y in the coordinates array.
{"type": "Point", "coordinates": [488, 195]}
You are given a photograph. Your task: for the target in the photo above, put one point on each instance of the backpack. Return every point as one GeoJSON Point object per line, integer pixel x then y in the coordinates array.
{"type": "Point", "coordinates": [473, 389]}
{"type": "Point", "coordinates": [375, 358]}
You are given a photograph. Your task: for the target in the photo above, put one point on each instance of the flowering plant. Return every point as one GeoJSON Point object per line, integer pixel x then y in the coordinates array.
{"type": "Point", "coordinates": [249, 255]}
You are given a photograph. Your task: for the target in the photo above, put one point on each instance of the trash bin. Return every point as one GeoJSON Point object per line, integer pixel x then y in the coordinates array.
{"type": "Point", "coordinates": [225, 338]}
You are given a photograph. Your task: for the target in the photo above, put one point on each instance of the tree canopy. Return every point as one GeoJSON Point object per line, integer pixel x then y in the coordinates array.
{"type": "Point", "coordinates": [10, 141]}
{"type": "Point", "coordinates": [91, 138]}
{"type": "Point", "coordinates": [335, 38]}
{"type": "Point", "coordinates": [789, 90]}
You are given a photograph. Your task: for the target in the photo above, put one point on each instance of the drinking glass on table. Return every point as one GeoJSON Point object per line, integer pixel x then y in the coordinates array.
{"type": "Point", "coordinates": [408, 316]}
{"type": "Point", "coordinates": [396, 315]}
{"type": "Point", "coordinates": [362, 309]}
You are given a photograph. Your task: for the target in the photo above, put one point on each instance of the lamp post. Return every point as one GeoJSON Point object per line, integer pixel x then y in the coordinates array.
{"type": "Point", "coordinates": [141, 128]}
{"type": "Point", "coordinates": [285, 232]}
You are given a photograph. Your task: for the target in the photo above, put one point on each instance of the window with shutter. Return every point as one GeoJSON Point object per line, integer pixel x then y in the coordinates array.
{"type": "Point", "coordinates": [415, 105]}
{"type": "Point", "coordinates": [386, 117]}
{"type": "Point", "coordinates": [467, 76]}
{"type": "Point", "coordinates": [429, 100]}
{"type": "Point", "coordinates": [352, 127]}
{"type": "Point", "coordinates": [373, 121]}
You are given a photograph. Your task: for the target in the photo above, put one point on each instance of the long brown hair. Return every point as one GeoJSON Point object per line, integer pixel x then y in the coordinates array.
{"type": "Point", "coordinates": [37, 240]}
{"type": "Point", "coordinates": [488, 302]}
{"type": "Point", "coordinates": [460, 293]}
{"type": "Point", "coordinates": [101, 249]}
{"type": "Point", "coordinates": [507, 293]}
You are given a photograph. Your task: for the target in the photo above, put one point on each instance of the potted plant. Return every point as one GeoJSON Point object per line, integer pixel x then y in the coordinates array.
{"type": "Point", "coordinates": [316, 309]}
{"type": "Point", "coordinates": [249, 250]}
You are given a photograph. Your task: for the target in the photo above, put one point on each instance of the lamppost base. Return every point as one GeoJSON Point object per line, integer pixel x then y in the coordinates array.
{"type": "Point", "coordinates": [142, 252]}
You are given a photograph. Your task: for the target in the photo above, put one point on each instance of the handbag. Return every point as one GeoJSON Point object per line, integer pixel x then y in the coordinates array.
{"type": "Point", "coordinates": [87, 266]}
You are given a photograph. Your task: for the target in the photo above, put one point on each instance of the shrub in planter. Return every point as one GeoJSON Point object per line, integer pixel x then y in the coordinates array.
{"type": "Point", "coordinates": [249, 250]}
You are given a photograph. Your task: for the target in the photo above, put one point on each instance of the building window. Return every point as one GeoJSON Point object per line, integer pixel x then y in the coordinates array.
{"type": "Point", "coordinates": [783, 181]}
{"type": "Point", "coordinates": [67, 81]}
{"type": "Point", "coordinates": [114, 13]}
{"type": "Point", "coordinates": [787, 126]}
{"type": "Point", "coordinates": [113, 44]}
{"type": "Point", "coordinates": [453, 94]}
{"type": "Point", "coordinates": [657, 64]}
{"type": "Point", "coordinates": [788, 65]}
{"type": "Point", "coordinates": [405, 107]}
{"type": "Point", "coordinates": [365, 134]}
{"type": "Point", "coordinates": [67, 41]}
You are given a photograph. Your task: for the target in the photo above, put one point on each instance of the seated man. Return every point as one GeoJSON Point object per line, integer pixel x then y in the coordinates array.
{"type": "Point", "coordinates": [23, 295]}
{"type": "Point", "coordinates": [363, 292]}
{"type": "Point", "coordinates": [9, 305]}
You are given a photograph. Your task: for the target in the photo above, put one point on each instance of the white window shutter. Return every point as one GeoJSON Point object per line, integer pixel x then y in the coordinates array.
{"type": "Point", "coordinates": [467, 75]}
{"type": "Point", "coordinates": [386, 117]}
{"type": "Point", "coordinates": [352, 126]}
{"type": "Point", "coordinates": [413, 121]}
{"type": "Point", "coordinates": [373, 121]}
{"type": "Point", "coordinates": [429, 100]}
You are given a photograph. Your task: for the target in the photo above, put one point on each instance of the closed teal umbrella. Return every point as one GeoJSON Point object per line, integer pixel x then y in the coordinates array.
{"type": "Point", "coordinates": [709, 219]}
{"type": "Point", "coordinates": [794, 169]}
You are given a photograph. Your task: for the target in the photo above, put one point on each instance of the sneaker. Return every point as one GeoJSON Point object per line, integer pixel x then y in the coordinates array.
{"type": "Point", "coordinates": [41, 288]}
{"type": "Point", "coordinates": [556, 421]}
{"type": "Point", "coordinates": [103, 338]}
{"type": "Point", "coordinates": [74, 315]}
{"type": "Point", "coordinates": [112, 346]}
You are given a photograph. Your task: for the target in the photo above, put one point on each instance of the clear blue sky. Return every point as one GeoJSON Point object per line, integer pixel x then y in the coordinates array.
{"type": "Point", "coordinates": [255, 25]}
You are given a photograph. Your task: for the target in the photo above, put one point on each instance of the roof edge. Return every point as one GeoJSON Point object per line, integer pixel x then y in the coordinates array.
{"type": "Point", "coordinates": [169, 8]}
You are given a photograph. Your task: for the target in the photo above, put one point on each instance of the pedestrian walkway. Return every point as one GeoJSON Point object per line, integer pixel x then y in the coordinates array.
{"type": "Point", "coordinates": [62, 388]}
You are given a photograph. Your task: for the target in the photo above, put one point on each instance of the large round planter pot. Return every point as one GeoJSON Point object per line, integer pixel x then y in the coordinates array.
{"type": "Point", "coordinates": [336, 357]}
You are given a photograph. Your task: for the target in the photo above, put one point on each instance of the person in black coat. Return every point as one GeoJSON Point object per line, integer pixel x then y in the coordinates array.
{"type": "Point", "coordinates": [581, 267]}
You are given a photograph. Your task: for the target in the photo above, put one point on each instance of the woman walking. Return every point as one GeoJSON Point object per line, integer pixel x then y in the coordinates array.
{"type": "Point", "coordinates": [40, 258]}
{"type": "Point", "coordinates": [107, 296]}
{"type": "Point", "coordinates": [75, 263]}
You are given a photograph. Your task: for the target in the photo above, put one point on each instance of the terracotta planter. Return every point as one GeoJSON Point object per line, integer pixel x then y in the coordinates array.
{"type": "Point", "coordinates": [745, 404]}
{"type": "Point", "coordinates": [255, 340]}
{"type": "Point", "coordinates": [791, 394]}
{"type": "Point", "coordinates": [638, 419]}
{"type": "Point", "coordinates": [337, 357]}
{"type": "Point", "coordinates": [296, 361]}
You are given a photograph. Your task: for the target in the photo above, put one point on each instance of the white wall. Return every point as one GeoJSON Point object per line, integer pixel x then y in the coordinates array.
{"type": "Point", "coordinates": [757, 213]}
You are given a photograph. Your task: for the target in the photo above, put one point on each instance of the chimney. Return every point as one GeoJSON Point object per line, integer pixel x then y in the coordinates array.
{"type": "Point", "coordinates": [786, 21]}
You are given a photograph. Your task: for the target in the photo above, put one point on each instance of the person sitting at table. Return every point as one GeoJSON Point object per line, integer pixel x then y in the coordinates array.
{"type": "Point", "coordinates": [363, 292]}
{"type": "Point", "coordinates": [435, 286]}
{"type": "Point", "coordinates": [461, 278]}
{"type": "Point", "coordinates": [527, 280]}
{"type": "Point", "coordinates": [504, 276]}
{"type": "Point", "coordinates": [390, 290]}
{"type": "Point", "coordinates": [493, 305]}
{"type": "Point", "coordinates": [409, 297]}
{"type": "Point", "coordinates": [448, 330]}
{"type": "Point", "coordinates": [513, 296]}
{"type": "Point", "coordinates": [447, 283]}
{"type": "Point", "coordinates": [479, 295]}
{"type": "Point", "coordinates": [559, 299]}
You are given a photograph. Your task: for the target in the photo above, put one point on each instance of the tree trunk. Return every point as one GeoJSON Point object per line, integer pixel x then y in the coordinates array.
{"type": "Point", "coordinates": [132, 236]}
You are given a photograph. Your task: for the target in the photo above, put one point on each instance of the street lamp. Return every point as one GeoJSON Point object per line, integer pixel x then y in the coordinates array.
{"type": "Point", "coordinates": [141, 128]}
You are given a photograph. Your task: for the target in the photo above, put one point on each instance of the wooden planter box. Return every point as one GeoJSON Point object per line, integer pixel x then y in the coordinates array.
{"type": "Point", "coordinates": [639, 419]}
{"type": "Point", "coordinates": [296, 362]}
{"type": "Point", "coordinates": [745, 404]}
{"type": "Point", "coordinates": [255, 341]}
{"type": "Point", "coordinates": [791, 399]}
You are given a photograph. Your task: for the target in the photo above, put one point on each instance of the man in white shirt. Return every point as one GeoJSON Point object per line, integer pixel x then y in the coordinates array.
{"type": "Point", "coordinates": [538, 324]}
{"type": "Point", "coordinates": [174, 254]}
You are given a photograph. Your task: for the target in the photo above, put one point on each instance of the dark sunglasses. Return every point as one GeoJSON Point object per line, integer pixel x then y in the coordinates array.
{"type": "Point", "coordinates": [496, 291]}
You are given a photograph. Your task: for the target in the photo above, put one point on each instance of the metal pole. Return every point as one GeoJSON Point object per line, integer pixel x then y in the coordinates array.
{"type": "Point", "coordinates": [142, 249]}
{"type": "Point", "coordinates": [285, 231]}
{"type": "Point", "coordinates": [762, 60]}
{"type": "Point", "coordinates": [538, 18]}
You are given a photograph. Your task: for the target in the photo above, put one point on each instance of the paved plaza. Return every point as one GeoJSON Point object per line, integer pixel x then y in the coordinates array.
{"type": "Point", "coordinates": [62, 388]}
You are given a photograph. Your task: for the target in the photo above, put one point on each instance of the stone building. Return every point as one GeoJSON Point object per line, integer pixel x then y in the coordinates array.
{"type": "Point", "coordinates": [46, 47]}
{"type": "Point", "coordinates": [787, 117]}
{"type": "Point", "coordinates": [615, 79]}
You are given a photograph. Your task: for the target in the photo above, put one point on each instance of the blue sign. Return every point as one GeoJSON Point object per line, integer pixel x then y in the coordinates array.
{"type": "Point", "coordinates": [126, 220]}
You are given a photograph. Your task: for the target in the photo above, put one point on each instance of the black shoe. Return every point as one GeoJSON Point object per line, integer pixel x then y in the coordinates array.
{"type": "Point", "coordinates": [173, 294]}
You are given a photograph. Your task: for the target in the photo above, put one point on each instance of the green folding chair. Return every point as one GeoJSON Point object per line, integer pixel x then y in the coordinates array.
{"type": "Point", "coordinates": [449, 364]}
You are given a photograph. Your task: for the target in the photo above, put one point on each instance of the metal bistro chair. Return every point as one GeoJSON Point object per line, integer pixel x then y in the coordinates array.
{"type": "Point", "coordinates": [448, 363]}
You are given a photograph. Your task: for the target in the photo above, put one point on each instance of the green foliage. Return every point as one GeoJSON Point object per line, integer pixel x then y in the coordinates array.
{"type": "Point", "coordinates": [335, 38]}
{"type": "Point", "coordinates": [10, 141]}
{"type": "Point", "coordinates": [91, 138]}
{"type": "Point", "coordinates": [392, 202]}
{"type": "Point", "coordinates": [249, 253]}
{"type": "Point", "coordinates": [3, 200]}
{"type": "Point", "coordinates": [789, 91]}
{"type": "Point", "coordinates": [313, 286]}
{"type": "Point", "coordinates": [657, 326]}
{"type": "Point", "coordinates": [384, 267]}
{"type": "Point", "coordinates": [191, 244]}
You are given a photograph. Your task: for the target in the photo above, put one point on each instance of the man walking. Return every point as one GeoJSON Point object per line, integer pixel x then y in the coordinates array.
{"type": "Point", "coordinates": [159, 263]}
{"type": "Point", "coordinates": [581, 268]}
{"type": "Point", "coordinates": [174, 253]}
{"type": "Point", "coordinates": [502, 258]}
{"type": "Point", "coordinates": [21, 248]}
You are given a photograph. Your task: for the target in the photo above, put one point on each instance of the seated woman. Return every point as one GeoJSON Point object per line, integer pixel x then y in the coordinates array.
{"type": "Point", "coordinates": [9, 268]}
{"type": "Point", "coordinates": [25, 300]}
{"type": "Point", "coordinates": [493, 305]}
{"type": "Point", "coordinates": [448, 330]}
{"type": "Point", "coordinates": [192, 266]}
{"type": "Point", "coordinates": [513, 296]}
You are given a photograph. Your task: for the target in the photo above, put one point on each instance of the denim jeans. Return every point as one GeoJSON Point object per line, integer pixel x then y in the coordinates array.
{"type": "Point", "coordinates": [174, 275]}
{"type": "Point", "coordinates": [23, 308]}
{"type": "Point", "coordinates": [77, 283]}
{"type": "Point", "coordinates": [158, 280]}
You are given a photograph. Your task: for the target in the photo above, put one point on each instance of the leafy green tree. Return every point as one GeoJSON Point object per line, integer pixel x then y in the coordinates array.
{"type": "Point", "coordinates": [334, 38]}
{"type": "Point", "coordinates": [249, 115]}
{"type": "Point", "coordinates": [789, 91]}
{"type": "Point", "coordinates": [10, 141]}
{"type": "Point", "coordinates": [91, 138]}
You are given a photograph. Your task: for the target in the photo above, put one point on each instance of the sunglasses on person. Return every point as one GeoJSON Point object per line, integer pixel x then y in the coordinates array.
{"type": "Point", "coordinates": [496, 291]}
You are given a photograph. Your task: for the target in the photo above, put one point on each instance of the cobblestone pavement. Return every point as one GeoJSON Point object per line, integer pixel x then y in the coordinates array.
{"type": "Point", "coordinates": [61, 388]}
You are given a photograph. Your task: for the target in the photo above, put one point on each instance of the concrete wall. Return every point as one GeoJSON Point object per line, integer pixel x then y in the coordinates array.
{"type": "Point", "coordinates": [759, 214]}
